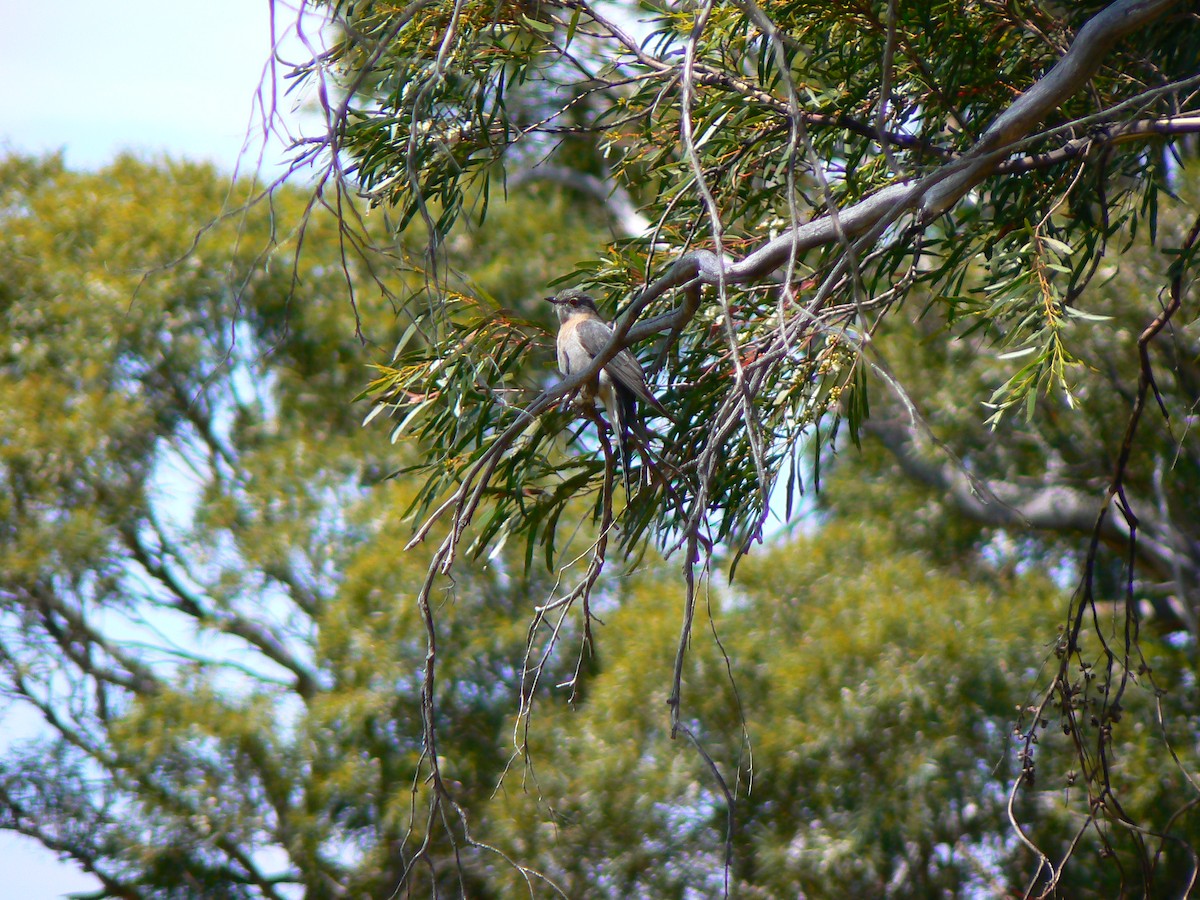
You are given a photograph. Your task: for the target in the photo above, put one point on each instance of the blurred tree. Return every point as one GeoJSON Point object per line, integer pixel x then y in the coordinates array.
{"type": "Point", "coordinates": [202, 595]}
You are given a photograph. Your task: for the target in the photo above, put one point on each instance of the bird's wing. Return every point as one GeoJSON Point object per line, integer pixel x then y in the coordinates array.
{"type": "Point", "coordinates": [593, 334]}
{"type": "Point", "coordinates": [622, 368]}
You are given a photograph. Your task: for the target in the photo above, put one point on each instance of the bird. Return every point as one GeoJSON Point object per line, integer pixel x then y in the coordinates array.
{"type": "Point", "coordinates": [582, 334]}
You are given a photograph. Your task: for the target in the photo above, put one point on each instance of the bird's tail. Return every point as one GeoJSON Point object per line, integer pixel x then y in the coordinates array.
{"type": "Point", "coordinates": [625, 416]}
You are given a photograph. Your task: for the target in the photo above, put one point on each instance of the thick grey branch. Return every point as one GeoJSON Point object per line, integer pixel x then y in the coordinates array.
{"type": "Point", "coordinates": [932, 195]}
{"type": "Point", "coordinates": [1040, 506]}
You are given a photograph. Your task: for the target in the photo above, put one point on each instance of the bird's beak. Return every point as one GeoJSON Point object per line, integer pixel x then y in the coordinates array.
{"type": "Point", "coordinates": [550, 299]}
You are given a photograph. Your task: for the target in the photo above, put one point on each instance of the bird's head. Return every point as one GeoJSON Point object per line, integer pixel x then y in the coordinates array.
{"type": "Point", "coordinates": [572, 302]}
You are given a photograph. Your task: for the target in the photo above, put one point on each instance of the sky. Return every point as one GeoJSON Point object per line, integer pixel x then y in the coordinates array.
{"type": "Point", "coordinates": [152, 77]}
{"type": "Point", "coordinates": [95, 79]}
